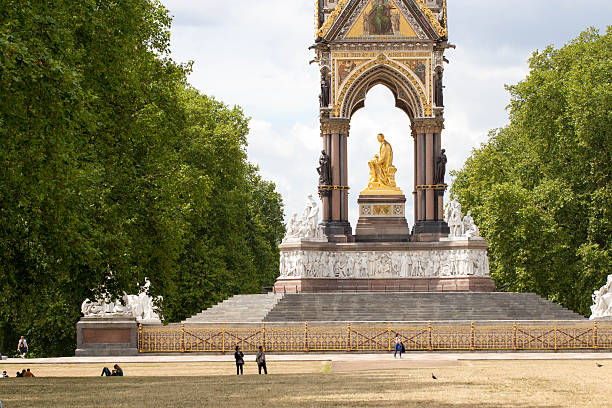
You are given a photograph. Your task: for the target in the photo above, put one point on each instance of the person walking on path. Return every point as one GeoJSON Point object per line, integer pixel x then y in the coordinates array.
{"type": "Point", "coordinates": [239, 356]}
{"type": "Point", "coordinates": [398, 345]}
{"type": "Point", "coordinates": [260, 358]}
{"type": "Point", "coordinates": [22, 347]}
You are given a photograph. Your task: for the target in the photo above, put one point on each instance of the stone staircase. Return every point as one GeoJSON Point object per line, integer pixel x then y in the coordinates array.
{"type": "Point", "coordinates": [239, 308]}
{"type": "Point", "coordinates": [430, 306]}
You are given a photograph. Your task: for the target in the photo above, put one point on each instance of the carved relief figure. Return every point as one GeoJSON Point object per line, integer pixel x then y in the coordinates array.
{"type": "Point", "coordinates": [372, 264]}
{"type": "Point", "coordinates": [382, 171]}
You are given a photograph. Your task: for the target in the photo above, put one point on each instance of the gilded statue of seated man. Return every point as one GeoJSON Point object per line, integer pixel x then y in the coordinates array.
{"type": "Point", "coordinates": [382, 171]}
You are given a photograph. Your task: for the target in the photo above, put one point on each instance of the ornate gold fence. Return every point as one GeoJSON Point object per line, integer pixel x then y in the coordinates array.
{"type": "Point", "coordinates": [351, 337]}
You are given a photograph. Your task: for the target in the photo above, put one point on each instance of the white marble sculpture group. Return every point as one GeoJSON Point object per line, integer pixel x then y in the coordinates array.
{"type": "Point", "coordinates": [602, 302]}
{"type": "Point", "coordinates": [140, 306]}
{"type": "Point", "coordinates": [384, 264]}
{"type": "Point", "coordinates": [460, 227]}
{"type": "Point", "coordinates": [306, 228]}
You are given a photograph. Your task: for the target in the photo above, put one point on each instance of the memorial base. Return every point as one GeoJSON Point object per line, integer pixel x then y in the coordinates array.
{"type": "Point", "coordinates": [107, 336]}
{"type": "Point", "coordinates": [382, 219]}
{"type": "Point", "coordinates": [320, 285]}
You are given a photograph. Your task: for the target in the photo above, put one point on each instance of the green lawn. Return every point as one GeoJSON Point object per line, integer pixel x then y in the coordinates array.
{"type": "Point", "coordinates": [316, 384]}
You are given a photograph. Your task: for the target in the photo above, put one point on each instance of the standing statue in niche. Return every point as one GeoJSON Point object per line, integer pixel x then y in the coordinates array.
{"type": "Point", "coordinates": [324, 169]}
{"type": "Point", "coordinates": [324, 98]}
{"type": "Point", "coordinates": [438, 90]}
{"type": "Point", "coordinates": [440, 167]}
{"type": "Point", "coordinates": [382, 171]}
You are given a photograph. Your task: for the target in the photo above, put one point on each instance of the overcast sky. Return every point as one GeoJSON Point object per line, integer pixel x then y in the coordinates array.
{"type": "Point", "coordinates": [254, 53]}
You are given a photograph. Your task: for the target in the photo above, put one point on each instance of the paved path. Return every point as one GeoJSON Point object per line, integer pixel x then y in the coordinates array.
{"type": "Point", "coordinates": [344, 357]}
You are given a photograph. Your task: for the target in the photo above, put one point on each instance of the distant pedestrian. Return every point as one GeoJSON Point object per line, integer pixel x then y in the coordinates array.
{"type": "Point", "coordinates": [28, 373]}
{"type": "Point", "coordinates": [260, 358]}
{"type": "Point", "coordinates": [398, 345]}
{"type": "Point", "coordinates": [239, 356]}
{"type": "Point", "coordinates": [22, 347]}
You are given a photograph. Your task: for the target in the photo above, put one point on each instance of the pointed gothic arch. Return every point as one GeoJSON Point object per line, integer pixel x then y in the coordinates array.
{"type": "Point", "coordinates": [389, 74]}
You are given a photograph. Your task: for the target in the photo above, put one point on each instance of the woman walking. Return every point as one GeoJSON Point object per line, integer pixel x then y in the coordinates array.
{"type": "Point", "coordinates": [239, 356]}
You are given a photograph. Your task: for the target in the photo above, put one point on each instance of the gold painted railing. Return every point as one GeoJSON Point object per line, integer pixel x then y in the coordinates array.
{"type": "Point", "coordinates": [351, 337]}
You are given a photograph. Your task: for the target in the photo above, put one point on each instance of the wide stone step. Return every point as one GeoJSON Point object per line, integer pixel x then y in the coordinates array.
{"type": "Point", "coordinates": [417, 307]}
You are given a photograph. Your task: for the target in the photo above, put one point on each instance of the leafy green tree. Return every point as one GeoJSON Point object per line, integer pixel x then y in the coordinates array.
{"type": "Point", "coordinates": [541, 188]}
{"type": "Point", "coordinates": [113, 169]}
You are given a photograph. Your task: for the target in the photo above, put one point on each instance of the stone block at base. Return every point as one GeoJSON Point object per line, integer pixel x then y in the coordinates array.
{"type": "Point", "coordinates": [107, 336]}
{"type": "Point", "coordinates": [451, 284]}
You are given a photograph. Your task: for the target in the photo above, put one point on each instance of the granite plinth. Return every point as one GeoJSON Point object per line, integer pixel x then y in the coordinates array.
{"type": "Point", "coordinates": [382, 219]}
{"type": "Point", "coordinates": [107, 336]}
{"type": "Point", "coordinates": [319, 285]}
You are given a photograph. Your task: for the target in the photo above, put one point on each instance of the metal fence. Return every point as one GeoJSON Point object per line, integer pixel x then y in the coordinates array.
{"type": "Point", "coordinates": [352, 337]}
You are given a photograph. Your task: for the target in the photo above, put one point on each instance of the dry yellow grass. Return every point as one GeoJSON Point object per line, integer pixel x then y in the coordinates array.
{"type": "Point", "coordinates": [481, 383]}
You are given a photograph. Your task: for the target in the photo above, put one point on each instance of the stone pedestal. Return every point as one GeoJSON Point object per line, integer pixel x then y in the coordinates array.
{"type": "Point", "coordinates": [382, 218]}
{"type": "Point", "coordinates": [430, 231]}
{"type": "Point", "coordinates": [107, 336]}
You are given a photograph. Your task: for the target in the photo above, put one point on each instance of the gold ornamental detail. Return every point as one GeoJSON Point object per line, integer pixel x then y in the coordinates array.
{"type": "Point", "coordinates": [381, 60]}
{"type": "Point", "coordinates": [382, 210]}
{"type": "Point", "coordinates": [432, 19]}
{"type": "Point", "coordinates": [331, 19]}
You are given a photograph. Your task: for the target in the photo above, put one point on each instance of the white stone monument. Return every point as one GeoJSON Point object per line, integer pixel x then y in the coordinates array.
{"type": "Point", "coordinates": [141, 306]}
{"type": "Point", "coordinates": [602, 302]}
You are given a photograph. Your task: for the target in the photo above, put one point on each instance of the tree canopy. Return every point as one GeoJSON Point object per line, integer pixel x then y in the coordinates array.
{"type": "Point", "coordinates": [541, 187]}
{"type": "Point", "coordinates": [113, 168]}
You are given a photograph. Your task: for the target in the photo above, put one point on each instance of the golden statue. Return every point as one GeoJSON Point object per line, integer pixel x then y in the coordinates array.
{"type": "Point", "coordinates": [382, 171]}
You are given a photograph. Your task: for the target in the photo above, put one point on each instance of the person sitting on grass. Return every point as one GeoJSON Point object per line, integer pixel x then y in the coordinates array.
{"type": "Point", "coordinates": [20, 374]}
{"type": "Point", "coordinates": [4, 375]}
{"type": "Point", "coordinates": [28, 373]}
{"type": "Point", "coordinates": [117, 372]}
